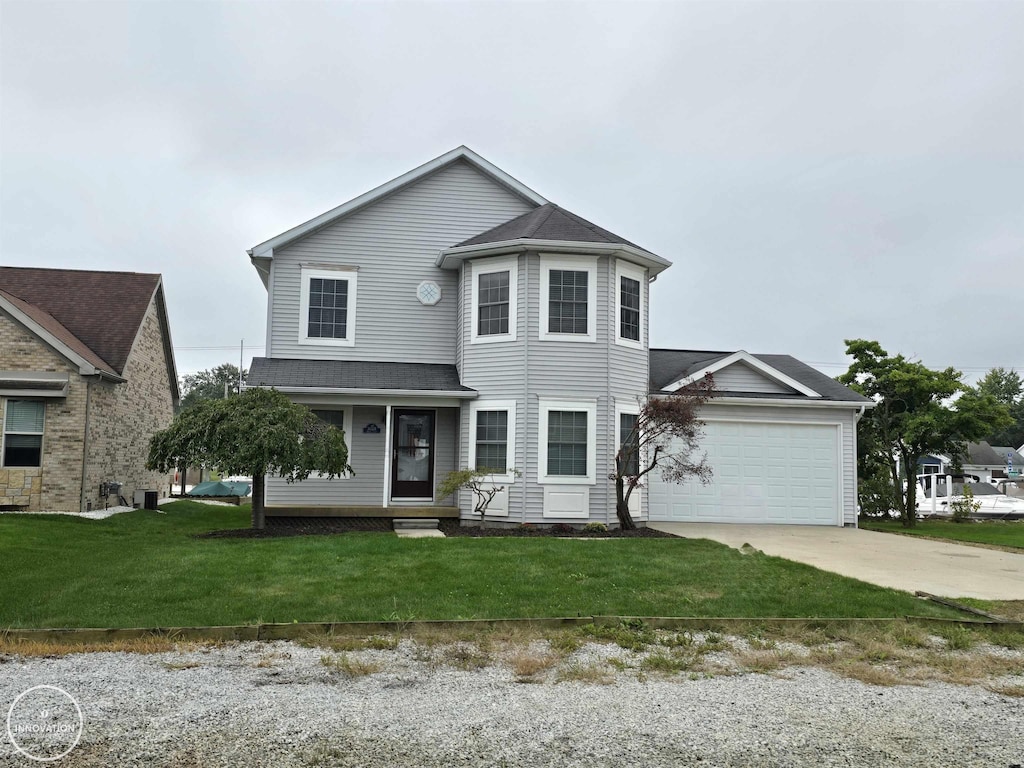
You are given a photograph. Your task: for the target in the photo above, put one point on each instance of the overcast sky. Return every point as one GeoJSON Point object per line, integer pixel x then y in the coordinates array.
{"type": "Point", "coordinates": [816, 171]}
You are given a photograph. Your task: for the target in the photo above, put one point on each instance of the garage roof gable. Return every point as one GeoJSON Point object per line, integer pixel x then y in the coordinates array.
{"type": "Point", "coordinates": [742, 358]}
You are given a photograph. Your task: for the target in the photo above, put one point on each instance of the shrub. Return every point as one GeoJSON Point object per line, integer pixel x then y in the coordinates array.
{"type": "Point", "coordinates": [562, 529]}
{"type": "Point", "coordinates": [964, 506]}
{"type": "Point", "coordinates": [595, 528]}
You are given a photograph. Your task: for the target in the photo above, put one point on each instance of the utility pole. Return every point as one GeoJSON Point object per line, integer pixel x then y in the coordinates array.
{"type": "Point", "coordinates": [241, 354]}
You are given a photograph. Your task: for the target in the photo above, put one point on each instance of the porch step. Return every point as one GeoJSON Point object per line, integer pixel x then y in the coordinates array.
{"type": "Point", "coordinates": [417, 528]}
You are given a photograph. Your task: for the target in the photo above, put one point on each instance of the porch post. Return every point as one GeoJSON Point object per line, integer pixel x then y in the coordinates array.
{"type": "Point", "coordinates": [387, 456]}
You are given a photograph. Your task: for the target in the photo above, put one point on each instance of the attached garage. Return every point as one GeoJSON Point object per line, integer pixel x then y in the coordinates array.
{"type": "Point", "coordinates": [764, 472]}
{"type": "Point", "coordinates": [780, 439]}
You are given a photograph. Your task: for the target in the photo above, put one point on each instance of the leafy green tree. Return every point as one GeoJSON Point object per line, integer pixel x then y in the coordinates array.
{"type": "Point", "coordinates": [1007, 387]}
{"type": "Point", "coordinates": [914, 415]}
{"type": "Point", "coordinates": [257, 433]}
{"type": "Point", "coordinates": [210, 384]}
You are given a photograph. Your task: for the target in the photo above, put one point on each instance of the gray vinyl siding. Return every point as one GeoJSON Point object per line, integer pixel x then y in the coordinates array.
{"type": "Point", "coordinates": [842, 416]}
{"type": "Point", "coordinates": [366, 486]}
{"type": "Point", "coordinates": [530, 369]}
{"type": "Point", "coordinates": [740, 377]}
{"type": "Point", "coordinates": [628, 378]}
{"type": "Point", "coordinates": [394, 243]}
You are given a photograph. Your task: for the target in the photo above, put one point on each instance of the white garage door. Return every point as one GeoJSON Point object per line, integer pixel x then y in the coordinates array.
{"type": "Point", "coordinates": [763, 473]}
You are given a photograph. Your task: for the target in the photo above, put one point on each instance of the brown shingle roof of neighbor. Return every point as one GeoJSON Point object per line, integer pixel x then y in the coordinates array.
{"type": "Point", "coordinates": [102, 310]}
{"type": "Point", "coordinates": [58, 331]}
{"type": "Point", "coordinates": [548, 222]}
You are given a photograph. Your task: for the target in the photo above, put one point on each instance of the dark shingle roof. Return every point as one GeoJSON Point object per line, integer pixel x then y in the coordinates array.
{"type": "Point", "coordinates": [983, 454]}
{"type": "Point", "coordinates": [1016, 457]}
{"type": "Point", "coordinates": [354, 374]}
{"type": "Point", "coordinates": [670, 365]}
{"type": "Point", "coordinates": [58, 331]}
{"type": "Point", "coordinates": [548, 222]}
{"type": "Point", "coordinates": [102, 310]}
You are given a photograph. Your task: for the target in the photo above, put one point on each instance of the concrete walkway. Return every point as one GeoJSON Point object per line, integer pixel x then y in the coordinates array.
{"type": "Point", "coordinates": [886, 559]}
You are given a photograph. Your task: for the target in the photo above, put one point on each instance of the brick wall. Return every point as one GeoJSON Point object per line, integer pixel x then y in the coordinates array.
{"type": "Point", "coordinates": [123, 417]}
{"type": "Point", "coordinates": [57, 484]}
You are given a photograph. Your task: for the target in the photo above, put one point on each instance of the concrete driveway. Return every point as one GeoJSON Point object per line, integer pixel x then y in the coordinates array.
{"type": "Point", "coordinates": [886, 559]}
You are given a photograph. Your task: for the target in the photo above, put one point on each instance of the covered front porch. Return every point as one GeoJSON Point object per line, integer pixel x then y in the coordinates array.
{"type": "Point", "coordinates": [403, 439]}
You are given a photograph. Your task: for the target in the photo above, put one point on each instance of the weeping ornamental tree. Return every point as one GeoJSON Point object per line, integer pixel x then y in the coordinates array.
{"type": "Point", "coordinates": [915, 415]}
{"type": "Point", "coordinates": [665, 436]}
{"type": "Point", "coordinates": [256, 433]}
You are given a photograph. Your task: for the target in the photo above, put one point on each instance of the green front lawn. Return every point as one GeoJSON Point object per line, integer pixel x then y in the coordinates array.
{"type": "Point", "coordinates": [145, 569]}
{"type": "Point", "coordinates": [1003, 533]}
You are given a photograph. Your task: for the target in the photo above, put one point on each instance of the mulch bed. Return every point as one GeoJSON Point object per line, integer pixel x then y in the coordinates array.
{"type": "Point", "coordinates": [328, 526]}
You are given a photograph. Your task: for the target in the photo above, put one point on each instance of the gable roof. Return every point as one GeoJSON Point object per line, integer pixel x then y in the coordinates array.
{"type": "Point", "coordinates": [984, 455]}
{"type": "Point", "coordinates": [266, 248]}
{"type": "Point", "coordinates": [356, 375]}
{"type": "Point", "coordinates": [548, 222]}
{"type": "Point", "coordinates": [96, 315]}
{"type": "Point", "coordinates": [668, 366]}
{"type": "Point", "coordinates": [1015, 455]}
{"type": "Point", "coordinates": [74, 347]}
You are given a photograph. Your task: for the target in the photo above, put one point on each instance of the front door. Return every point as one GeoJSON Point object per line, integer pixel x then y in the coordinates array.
{"type": "Point", "coordinates": [412, 460]}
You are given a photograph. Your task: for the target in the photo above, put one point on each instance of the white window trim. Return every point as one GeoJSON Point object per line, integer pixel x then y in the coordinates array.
{"type": "Point", "coordinates": [341, 273]}
{"type": "Point", "coordinates": [635, 498]}
{"type": "Point", "coordinates": [546, 406]}
{"type": "Point", "coordinates": [586, 264]}
{"type": "Point", "coordinates": [348, 428]}
{"type": "Point", "coordinates": [633, 272]}
{"type": "Point", "coordinates": [41, 434]}
{"type": "Point", "coordinates": [509, 406]}
{"type": "Point", "coordinates": [490, 266]}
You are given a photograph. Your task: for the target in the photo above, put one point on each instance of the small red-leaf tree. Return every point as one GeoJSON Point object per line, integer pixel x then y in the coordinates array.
{"type": "Point", "coordinates": [256, 433]}
{"type": "Point", "coordinates": [666, 436]}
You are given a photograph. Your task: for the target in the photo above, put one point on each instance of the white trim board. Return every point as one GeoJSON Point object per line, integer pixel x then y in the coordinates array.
{"type": "Point", "coordinates": [742, 356]}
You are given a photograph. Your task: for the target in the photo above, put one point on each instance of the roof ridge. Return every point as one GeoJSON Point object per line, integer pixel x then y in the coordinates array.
{"type": "Point", "coordinates": [551, 208]}
{"type": "Point", "coordinates": [87, 271]}
{"type": "Point", "coordinates": [600, 231]}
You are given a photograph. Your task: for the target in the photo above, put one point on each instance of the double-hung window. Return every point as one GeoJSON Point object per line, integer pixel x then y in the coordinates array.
{"type": "Point", "coordinates": [492, 444]}
{"type": "Point", "coordinates": [23, 433]}
{"type": "Point", "coordinates": [567, 301]}
{"type": "Point", "coordinates": [340, 418]}
{"type": "Point", "coordinates": [494, 300]}
{"type": "Point", "coordinates": [629, 304]}
{"type": "Point", "coordinates": [567, 441]}
{"type": "Point", "coordinates": [327, 312]}
{"type": "Point", "coordinates": [629, 443]}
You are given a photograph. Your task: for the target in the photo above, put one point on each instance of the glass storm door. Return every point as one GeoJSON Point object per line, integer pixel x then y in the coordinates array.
{"type": "Point", "coordinates": [412, 460]}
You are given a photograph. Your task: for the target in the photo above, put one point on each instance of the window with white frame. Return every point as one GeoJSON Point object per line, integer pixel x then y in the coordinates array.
{"type": "Point", "coordinates": [568, 287]}
{"type": "Point", "coordinates": [339, 417]}
{"type": "Point", "coordinates": [495, 285]}
{"type": "Point", "coordinates": [23, 433]}
{"type": "Point", "coordinates": [327, 313]}
{"type": "Point", "coordinates": [567, 441]}
{"type": "Point", "coordinates": [629, 442]}
{"type": "Point", "coordinates": [492, 431]}
{"type": "Point", "coordinates": [629, 302]}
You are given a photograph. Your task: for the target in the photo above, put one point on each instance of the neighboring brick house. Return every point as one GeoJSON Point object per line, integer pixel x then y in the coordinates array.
{"type": "Point", "coordinates": [86, 377]}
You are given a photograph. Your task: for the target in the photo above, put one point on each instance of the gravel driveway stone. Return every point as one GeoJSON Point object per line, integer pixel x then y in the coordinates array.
{"type": "Point", "coordinates": [278, 704]}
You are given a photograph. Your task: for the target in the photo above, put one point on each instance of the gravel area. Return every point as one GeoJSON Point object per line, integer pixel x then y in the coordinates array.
{"type": "Point", "coordinates": [280, 704]}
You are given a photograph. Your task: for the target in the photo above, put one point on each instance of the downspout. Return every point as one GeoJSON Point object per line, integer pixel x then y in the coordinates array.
{"type": "Point", "coordinates": [526, 380]}
{"type": "Point", "coordinates": [85, 444]}
{"type": "Point", "coordinates": [609, 429]}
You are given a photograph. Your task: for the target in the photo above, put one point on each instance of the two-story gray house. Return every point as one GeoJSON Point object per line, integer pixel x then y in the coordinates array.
{"type": "Point", "coordinates": [453, 317]}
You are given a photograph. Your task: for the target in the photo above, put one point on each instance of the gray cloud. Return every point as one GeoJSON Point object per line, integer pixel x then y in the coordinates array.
{"type": "Point", "coordinates": [816, 171]}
